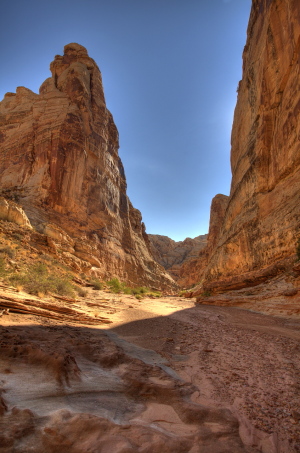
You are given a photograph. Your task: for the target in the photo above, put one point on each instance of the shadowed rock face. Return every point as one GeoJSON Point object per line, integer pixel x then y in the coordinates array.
{"type": "Point", "coordinates": [260, 225]}
{"type": "Point", "coordinates": [59, 160]}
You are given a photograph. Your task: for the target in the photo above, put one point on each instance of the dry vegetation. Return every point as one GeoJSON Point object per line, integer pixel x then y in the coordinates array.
{"type": "Point", "coordinates": [39, 273]}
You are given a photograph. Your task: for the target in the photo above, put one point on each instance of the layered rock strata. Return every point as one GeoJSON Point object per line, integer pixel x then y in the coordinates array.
{"type": "Point", "coordinates": [59, 160]}
{"type": "Point", "coordinates": [11, 212]}
{"type": "Point", "coordinates": [173, 255]}
{"type": "Point", "coordinates": [258, 234]}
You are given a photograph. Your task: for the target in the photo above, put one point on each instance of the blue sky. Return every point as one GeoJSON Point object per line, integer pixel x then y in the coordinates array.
{"type": "Point", "coordinates": [170, 70]}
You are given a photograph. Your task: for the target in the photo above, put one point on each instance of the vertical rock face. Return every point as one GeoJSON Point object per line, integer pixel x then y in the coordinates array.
{"type": "Point", "coordinates": [261, 222]}
{"type": "Point", "coordinates": [217, 213]}
{"type": "Point", "coordinates": [191, 271]}
{"type": "Point", "coordinates": [254, 232]}
{"type": "Point", "coordinates": [59, 160]}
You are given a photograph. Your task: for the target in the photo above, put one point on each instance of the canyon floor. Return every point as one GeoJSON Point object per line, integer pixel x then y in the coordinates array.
{"type": "Point", "coordinates": [110, 373]}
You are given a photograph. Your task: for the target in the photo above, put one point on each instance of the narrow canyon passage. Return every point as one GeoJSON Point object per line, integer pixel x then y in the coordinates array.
{"type": "Point", "coordinates": [162, 376]}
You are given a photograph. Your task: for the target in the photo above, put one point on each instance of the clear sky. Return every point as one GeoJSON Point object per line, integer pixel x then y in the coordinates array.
{"type": "Point", "coordinates": [170, 70]}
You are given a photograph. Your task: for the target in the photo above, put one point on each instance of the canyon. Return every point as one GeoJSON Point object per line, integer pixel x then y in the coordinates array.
{"type": "Point", "coordinates": [212, 369]}
{"type": "Point", "coordinates": [174, 255]}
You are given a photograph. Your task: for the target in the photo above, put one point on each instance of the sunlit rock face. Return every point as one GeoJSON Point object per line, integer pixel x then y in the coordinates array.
{"type": "Point", "coordinates": [261, 222]}
{"type": "Point", "coordinates": [191, 271]}
{"type": "Point", "coordinates": [253, 232]}
{"type": "Point", "coordinates": [59, 160]}
{"type": "Point", "coordinates": [172, 255]}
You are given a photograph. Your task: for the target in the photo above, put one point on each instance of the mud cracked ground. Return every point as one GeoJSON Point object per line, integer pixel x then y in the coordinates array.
{"type": "Point", "coordinates": [150, 375]}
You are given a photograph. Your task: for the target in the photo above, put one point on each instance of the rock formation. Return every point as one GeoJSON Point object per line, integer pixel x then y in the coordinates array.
{"type": "Point", "coordinates": [173, 255]}
{"type": "Point", "coordinates": [59, 160]}
{"type": "Point", "coordinates": [257, 237]}
{"type": "Point", "coordinates": [11, 212]}
{"type": "Point", "coordinates": [191, 272]}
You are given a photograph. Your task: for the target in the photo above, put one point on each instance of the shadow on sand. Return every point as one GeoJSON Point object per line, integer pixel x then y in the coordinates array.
{"type": "Point", "coordinates": [142, 386]}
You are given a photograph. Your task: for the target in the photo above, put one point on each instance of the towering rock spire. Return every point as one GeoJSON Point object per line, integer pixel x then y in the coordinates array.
{"type": "Point", "coordinates": [59, 159]}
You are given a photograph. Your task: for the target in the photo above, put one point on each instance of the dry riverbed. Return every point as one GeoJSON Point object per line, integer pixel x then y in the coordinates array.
{"type": "Point", "coordinates": [110, 373]}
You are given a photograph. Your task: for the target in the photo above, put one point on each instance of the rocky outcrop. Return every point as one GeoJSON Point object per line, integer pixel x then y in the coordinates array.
{"type": "Point", "coordinates": [173, 255]}
{"type": "Point", "coordinates": [11, 212]}
{"type": "Point", "coordinates": [260, 228]}
{"type": "Point", "coordinates": [59, 160]}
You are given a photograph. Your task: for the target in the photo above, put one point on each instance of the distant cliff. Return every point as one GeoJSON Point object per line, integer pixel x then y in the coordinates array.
{"type": "Point", "coordinates": [257, 235]}
{"type": "Point", "coordinates": [173, 255]}
{"type": "Point", "coordinates": [191, 272]}
{"type": "Point", "coordinates": [59, 161]}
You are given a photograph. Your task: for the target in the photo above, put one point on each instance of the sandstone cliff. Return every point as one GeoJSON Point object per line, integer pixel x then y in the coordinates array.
{"type": "Point", "coordinates": [191, 272]}
{"type": "Point", "coordinates": [59, 160]}
{"type": "Point", "coordinates": [173, 255]}
{"type": "Point", "coordinates": [258, 234]}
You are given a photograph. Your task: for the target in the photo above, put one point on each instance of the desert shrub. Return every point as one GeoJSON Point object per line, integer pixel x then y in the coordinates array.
{"type": "Point", "coordinates": [206, 294]}
{"type": "Point", "coordinates": [127, 290]}
{"type": "Point", "coordinates": [37, 279]}
{"type": "Point", "coordinates": [63, 286]}
{"type": "Point", "coordinates": [142, 291]}
{"type": "Point", "coordinates": [115, 285]}
{"type": "Point", "coordinates": [155, 294]}
{"type": "Point", "coordinates": [39, 268]}
{"type": "Point", "coordinates": [6, 250]}
{"type": "Point", "coordinates": [81, 291]}
{"type": "Point", "coordinates": [96, 284]}
{"type": "Point", "coordinates": [139, 290]}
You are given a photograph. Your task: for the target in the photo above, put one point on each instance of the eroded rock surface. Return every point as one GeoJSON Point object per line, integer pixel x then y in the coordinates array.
{"type": "Point", "coordinates": [191, 272]}
{"type": "Point", "coordinates": [11, 212]}
{"type": "Point", "coordinates": [164, 376]}
{"type": "Point", "coordinates": [173, 255]}
{"type": "Point", "coordinates": [260, 228]}
{"type": "Point", "coordinates": [59, 161]}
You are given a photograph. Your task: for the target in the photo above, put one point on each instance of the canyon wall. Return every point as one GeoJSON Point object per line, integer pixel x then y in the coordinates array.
{"type": "Point", "coordinates": [172, 255]}
{"type": "Point", "coordinates": [257, 237]}
{"type": "Point", "coordinates": [191, 272]}
{"type": "Point", "coordinates": [59, 161]}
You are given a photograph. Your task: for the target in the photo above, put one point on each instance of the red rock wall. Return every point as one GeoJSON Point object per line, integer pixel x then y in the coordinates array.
{"type": "Point", "coordinates": [174, 255]}
{"type": "Point", "coordinates": [262, 220]}
{"type": "Point", "coordinates": [59, 160]}
{"type": "Point", "coordinates": [253, 232]}
{"type": "Point", "coordinates": [191, 272]}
